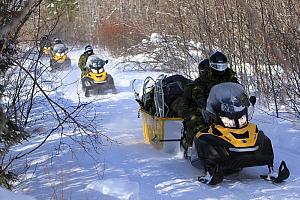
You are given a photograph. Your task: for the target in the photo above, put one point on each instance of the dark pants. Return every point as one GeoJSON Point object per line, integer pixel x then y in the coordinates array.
{"type": "Point", "coordinates": [193, 122]}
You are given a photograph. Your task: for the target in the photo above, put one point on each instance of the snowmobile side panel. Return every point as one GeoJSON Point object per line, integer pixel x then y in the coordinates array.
{"type": "Point", "coordinates": [162, 133]}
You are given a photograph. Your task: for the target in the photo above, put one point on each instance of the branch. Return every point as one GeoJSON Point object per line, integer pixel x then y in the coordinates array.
{"type": "Point", "coordinates": [21, 17]}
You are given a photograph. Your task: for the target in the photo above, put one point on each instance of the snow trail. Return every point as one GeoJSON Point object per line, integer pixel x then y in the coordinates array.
{"type": "Point", "coordinates": [131, 169]}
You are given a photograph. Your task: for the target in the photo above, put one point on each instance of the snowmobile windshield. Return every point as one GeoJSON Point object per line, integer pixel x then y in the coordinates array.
{"type": "Point", "coordinates": [59, 48]}
{"type": "Point", "coordinates": [228, 99]}
{"type": "Point", "coordinates": [95, 62]}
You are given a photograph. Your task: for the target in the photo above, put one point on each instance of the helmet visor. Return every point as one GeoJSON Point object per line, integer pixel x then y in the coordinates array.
{"type": "Point", "coordinates": [219, 66]}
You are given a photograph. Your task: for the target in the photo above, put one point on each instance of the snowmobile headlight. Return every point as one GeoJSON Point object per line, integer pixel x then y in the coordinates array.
{"type": "Point", "coordinates": [94, 71]}
{"type": "Point", "coordinates": [228, 122]}
{"type": "Point", "coordinates": [101, 70]}
{"type": "Point", "coordinates": [243, 120]}
{"type": "Point", "coordinates": [57, 54]}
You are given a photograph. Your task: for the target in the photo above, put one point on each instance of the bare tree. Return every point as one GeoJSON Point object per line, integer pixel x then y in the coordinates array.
{"type": "Point", "coordinates": [24, 89]}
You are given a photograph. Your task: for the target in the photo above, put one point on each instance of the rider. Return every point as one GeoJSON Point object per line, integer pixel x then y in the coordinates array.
{"type": "Point", "coordinates": [212, 71]}
{"type": "Point", "coordinates": [45, 42]}
{"type": "Point", "coordinates": [88, 51]}
{"type": "Point", "coordinates": [57, 41]}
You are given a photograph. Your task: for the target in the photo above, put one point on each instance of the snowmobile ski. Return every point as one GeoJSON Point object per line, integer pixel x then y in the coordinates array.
{"type": "Point", "coordinates": [215, 179]}
{"type": "Point", "coordinates": [283, 174]}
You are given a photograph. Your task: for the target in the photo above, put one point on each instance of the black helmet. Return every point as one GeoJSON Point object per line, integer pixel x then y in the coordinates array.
{"type": "Point", "coordinates": [57, 41]}
{"type": "Point", "coordinates": [203, 65]}
{"type": "Point", "coordinates": [218, 61]}
{"type": "Point", "coordinates": [45, 37]}
{"type": "Point", "coordinates": [88, 48]}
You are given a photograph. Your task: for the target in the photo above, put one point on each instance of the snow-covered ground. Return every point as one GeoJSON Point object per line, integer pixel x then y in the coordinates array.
{"type": "Point", "coordinates": [130, 169]}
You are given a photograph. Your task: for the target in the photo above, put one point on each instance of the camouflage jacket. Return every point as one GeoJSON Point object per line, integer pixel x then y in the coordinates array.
{"type": "Point", "coordinates": [82, 60]}
{"type": "Point", "coordinates": [196, 94]}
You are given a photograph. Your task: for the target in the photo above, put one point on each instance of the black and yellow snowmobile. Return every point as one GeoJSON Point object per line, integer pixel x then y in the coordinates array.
{"type": "Point", "coordinates": [94, 79]}
{"type": "Point", "coordinates": [59, 58]}
{"type": "Point", "coordinates": [47, 50]}
{"type": "Point", "coordinates": [231, 142]}
{"type": "Point", "coordinates": [45, 45]}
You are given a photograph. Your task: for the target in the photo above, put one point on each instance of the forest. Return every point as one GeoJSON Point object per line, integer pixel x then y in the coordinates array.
{"type": "Point", "coordinates": [260, 37]}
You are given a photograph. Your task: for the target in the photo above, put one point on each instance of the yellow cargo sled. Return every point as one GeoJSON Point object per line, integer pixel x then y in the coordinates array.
{"type": "Point", "coordinates": [162, 132]}
{"type": "Point", "coordinates": [160, 128]}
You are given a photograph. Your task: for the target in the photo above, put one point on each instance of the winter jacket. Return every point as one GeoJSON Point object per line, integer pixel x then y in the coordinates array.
{"type": "Point", "coordinates": [83, 59]}
{"type": "Point", "coordinates": [195, 95]}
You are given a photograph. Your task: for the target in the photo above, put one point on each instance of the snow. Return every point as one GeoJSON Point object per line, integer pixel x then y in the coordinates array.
{"type": "Point", "coordinates": [127, 168]}
{"type": "Point", "coordinates": [120, 188]}
{"type": "Point", "coordinates": [8, 195]}
{"type": "Point", "coordinates": [155, 38]}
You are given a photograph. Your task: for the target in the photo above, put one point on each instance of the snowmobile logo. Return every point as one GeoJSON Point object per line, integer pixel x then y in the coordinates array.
{"type": "Point", "coordinates": [244, 141]}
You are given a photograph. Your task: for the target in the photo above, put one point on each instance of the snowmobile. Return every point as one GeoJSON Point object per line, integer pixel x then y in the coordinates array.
{"type": "Point", "coordinates": [46, 50]}
{"type": "Point", "coordinates": [59, 58]}
{"type": "Point", "coordinates": [94, 79]}
{"type": "Point", "coordinates": [46, 45]}
{"type": "Point", "coordinates": [231, 142]}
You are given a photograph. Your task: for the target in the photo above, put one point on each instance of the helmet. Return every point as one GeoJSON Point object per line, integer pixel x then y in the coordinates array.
{"type": "Point", "coordinates": [88, 48]}
{"type": "Point", "coordinates": [218, 61]}
{"type": "Point", "coordinates": [203, 65]}
{"type": "Point", "coordinates": [57, 41]}
{"type": "Point", "coordinates": [45, 37]}
{"type": "Point", "coordinates": [94, 62]}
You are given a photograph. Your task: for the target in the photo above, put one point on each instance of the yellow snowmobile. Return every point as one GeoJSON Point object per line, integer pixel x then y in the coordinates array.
{"type": "Point", "coordinates": [46, 45]}
{"type": "Point", "coordinates": [231, 142]}
{"type": "Point", "coordinates": [59, 59]}
{"type": "Point", "coordinates": [47, 50]}
{"type": "Point", "coordinates": [228, 144]}
{"type": "Point", "coordinates": [94, 79]}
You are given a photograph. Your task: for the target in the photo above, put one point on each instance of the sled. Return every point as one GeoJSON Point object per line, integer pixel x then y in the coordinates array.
{"type": "Point", "coordinates": [162, 132]}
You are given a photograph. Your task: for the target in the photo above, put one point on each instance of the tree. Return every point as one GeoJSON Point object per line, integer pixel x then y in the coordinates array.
{"type": "Point", "coordinates": [22, 89]}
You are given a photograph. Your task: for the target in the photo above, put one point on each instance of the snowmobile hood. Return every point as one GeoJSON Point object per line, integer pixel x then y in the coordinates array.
{"type": "Point", "coordinates": [227, 99]}
{"type": "Point", "coordinates": [97, 77]}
